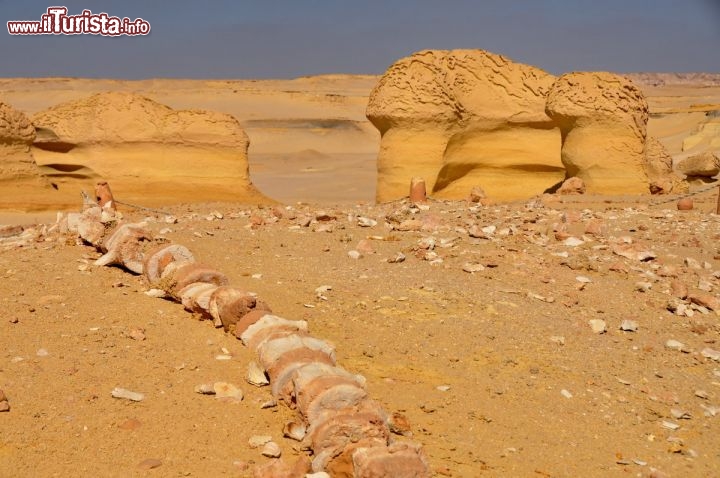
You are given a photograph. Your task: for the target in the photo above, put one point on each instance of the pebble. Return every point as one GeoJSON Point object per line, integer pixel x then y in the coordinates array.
{"type": "Point", "coordinates": [629, 326]}
{"type": "Point", "coordinates": [366, 222]}
{"type": "Point", "coordinates": [680, 414]}
{"type": "Point", "coordinates": [565, 393]}
{"type": "Point", "coordinates": [711, 354]}
{"type": "Point", "coordinates": [598, 326]}
{"type": "Point", "coordinates": [354, 254]}
{"type": "Point", "coordinates": [643, 286]}
{"type": "Point", "coordinates": [228, 391]}
{"type": "Point", "coordinates": [397, 258]}
{"type": "Point", "coordinates": [472, 267]}
{"type": "Point", "coordinates": [583, 279]}
{"type": "Point", "coordinates": [42, 353]}
{"type": "Point", "coordinates": [670, 425]}
{"type": "Point", "coordinates": [702, 394]}
{"type": "Point", "coordinates": [673, 344]}
{"type": "Point", "coordinates": [271, 450]}
{"type": "Point", "coordinates": [573, 242]}
{"type": "Point", "coordinates": [149, 464]}
{"type": "Point", "coordinates": [118, 392]}
{"type": "Point", "coordinates": [443, 388]}
{"type": "Point", "coordinates": [156, 293]}
{"type": "Point", "coordinates": [256, 441]}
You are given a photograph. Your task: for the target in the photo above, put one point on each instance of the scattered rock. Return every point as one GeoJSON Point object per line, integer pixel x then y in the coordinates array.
{"type": "Point", "coordinates": [711, 354]}
{"type": "Point", "coordinates": [354, 254]}
{"type": "Point", "coordinates": [565, 393]}
{"type": "Point", "coordinates": [149, 464]}
{"type": "Point", "coordinates": [685, 204]}
{"type": "Point", "coordinates": [227, 391]}
{"type": "Point", "coordinates": [256, 441]}
{"type": "Point", "coordinates": [572, 185]}
{"type": "Point", "coordinates": [628, 326]}
{"type": "Point", "coordinates": [472, 267]}
{"type": "Point", "coordinates": [598, 326]}
{"type": "Point", "coordinates": [118, 392]}
{"type": "Point", "coordinates": [673, 344]}
{"type": "Point", "coordinates": [397, 258]}
{"type": "Point", "coordinates": [271, 450]}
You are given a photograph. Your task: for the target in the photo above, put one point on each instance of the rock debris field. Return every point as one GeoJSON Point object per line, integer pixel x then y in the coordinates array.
{"type": "Point", "coordinates": [565, 336]}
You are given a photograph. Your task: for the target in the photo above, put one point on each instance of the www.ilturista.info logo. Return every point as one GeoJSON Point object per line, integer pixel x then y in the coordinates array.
{"type": "Point", "coordinates": [57, 22]}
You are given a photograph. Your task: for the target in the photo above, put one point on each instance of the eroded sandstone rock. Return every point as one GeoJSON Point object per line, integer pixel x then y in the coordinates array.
{"type": "Point", "coordinates": [463, 118]}
{"type": "Point", "coordinates": [152, 153]}
{"type": "Point", "coordinates": [603, 119]}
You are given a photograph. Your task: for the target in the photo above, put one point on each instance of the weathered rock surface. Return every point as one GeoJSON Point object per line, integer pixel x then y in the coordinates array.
{"type": "Point", "coordinates": [603, 118]}
{"type": "Point", "coordinates": [22, 185]}
{"type": "Point", "coordinates": [705, 165]}
{"type": "Point", "coordinates": [464, 118]}
{"type": "Point", "coordinates": [179, 154]}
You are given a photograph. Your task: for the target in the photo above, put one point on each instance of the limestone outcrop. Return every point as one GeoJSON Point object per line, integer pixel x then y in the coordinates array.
{"type": "Point", "coordinates": [22, 186]}
{"type": "Point", "coordinates": [151, 153]}
{"type": "Point", "coordinates": [603, 119]}
{"type": "Point", "coordinates": [658, 166]}
{"type": "Point", "coordinates": [703, 165]}
{"type": "Point", "coordinates": [464, 118]}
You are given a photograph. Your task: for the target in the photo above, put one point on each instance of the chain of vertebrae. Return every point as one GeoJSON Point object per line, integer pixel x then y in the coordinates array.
{"type": "Point", "coordinates": [347, 431]}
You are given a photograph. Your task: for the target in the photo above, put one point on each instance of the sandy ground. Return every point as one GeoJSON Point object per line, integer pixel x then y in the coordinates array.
{"type": "Point", "coordinates": [498, 371]}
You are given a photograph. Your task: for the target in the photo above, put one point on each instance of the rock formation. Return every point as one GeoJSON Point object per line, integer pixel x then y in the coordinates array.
{"type": "Point", "coordinates": [603, 119]}
{"type": "Point", "coordinates": [152, 153]}
{"type": "Point", "coordinates": [659, 169]}
{"type": "Point", "coordinates": [21, 183]}
{"type": "Point", "coordinates": [707, 136]}
{"type": "Point", "coordinates": [700, 166]}
{"type": "Point", "coordinates": [464, 118]}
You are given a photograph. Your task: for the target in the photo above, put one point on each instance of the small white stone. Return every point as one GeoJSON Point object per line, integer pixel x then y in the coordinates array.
{"type": "Point", "coordinates": [118, 392]}
{"type": "Point", "coordinates": [565, 393]}
{"type": "Point", "coordinates": [673, 344]}
{"type": "Point", "coordinates": [256, 441]}
{"type": "Point", "coordinates": [629, 326]}
{"type": "Point", "coordinates": [271, 450]}
{"type": "Point", "coordinates": [573, 242]}
{"type": "Point", "coordinates": [156, 293]}
{"type": "Point", "coordinates": [354, 254]}
{"type": "Point", "coordinates": [583, 279]}
{"type": "Point", "coordinates": [598, 326]}
{"type": "Point", "coordinates": [711, 354]}
{"type": "Point", "coordinates": [670, 425]}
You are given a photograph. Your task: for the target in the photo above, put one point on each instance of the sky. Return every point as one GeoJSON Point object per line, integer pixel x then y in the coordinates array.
{"type": "Point", "coordinates": [291, 38]}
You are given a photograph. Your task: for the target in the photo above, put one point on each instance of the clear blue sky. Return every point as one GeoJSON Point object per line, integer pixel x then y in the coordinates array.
{"type": "Point", "coordinates": [289, 38]}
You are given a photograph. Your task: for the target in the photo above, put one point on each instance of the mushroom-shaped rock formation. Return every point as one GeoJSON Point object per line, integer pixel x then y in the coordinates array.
{"type": "Point", "coordinates": [152, 153]}
{"type": "Point", "coordinates": [464, 118]}
{"type": "Point", "coordinates": [603, 119]}
{"type": "Point", "coordinates": [21, 182]}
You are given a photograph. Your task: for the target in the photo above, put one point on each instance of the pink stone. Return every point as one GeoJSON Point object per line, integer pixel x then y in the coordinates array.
{"type": "Point", "coordinates": [417, 190]}
{"type": "Point", "coordinates": [572, 185]}
{"type": "Point", "coordinates": [685, 204]}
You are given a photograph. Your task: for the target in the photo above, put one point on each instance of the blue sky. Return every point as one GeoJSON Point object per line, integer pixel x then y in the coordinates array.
{"type": "Point", "coordinates": [286, 38]}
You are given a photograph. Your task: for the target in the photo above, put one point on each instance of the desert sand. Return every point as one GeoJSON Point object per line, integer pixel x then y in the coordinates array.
{"type": "Point", "coordinates": [561, 336]}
